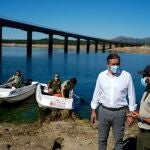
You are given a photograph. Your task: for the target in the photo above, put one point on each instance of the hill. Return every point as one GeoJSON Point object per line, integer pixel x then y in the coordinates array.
{"type": "Point", "coordinates": [143, 41]}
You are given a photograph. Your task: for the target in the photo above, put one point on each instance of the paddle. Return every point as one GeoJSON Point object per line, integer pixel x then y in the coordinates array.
{"type": "Point", "coordinates": [4, 85]}
{"type": "Point", "coordinates": [81, 99]}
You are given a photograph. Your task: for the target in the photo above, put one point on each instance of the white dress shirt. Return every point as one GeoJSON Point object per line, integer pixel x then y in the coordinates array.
{"type": "Point", "coordinates": [111, 91]}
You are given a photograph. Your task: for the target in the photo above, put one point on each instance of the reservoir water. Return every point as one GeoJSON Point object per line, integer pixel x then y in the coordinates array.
{"type": "Point", "coordinates": [41, 67]}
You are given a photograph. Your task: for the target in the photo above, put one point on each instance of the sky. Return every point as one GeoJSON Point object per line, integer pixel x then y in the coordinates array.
{"type": "Point", "coordinates": [105, 19]}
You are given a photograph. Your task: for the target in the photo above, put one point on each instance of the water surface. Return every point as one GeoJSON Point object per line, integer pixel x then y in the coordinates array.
{"type": "Point", "coordinates": [41, 67]}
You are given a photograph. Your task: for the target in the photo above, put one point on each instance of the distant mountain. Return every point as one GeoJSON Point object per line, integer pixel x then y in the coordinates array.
{"type": "Point", "coordinates": [144, 41]}
{"type": "Point", "coordinates": [147, 40]}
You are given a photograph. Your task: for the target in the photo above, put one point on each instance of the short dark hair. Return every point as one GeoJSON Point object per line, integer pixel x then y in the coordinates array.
{"type": "Point", "coordinates": [113, 56]}
{"type": "Point", "coordinates": [19, 72]}
{"type": "Point", "coordinates": [73, 80]}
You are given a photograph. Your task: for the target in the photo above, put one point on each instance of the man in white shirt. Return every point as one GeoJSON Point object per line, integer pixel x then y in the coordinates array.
{"type": "Point", "coordinates": [112, 87]}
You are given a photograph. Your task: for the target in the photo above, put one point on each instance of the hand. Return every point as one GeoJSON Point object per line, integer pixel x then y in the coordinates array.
{"type": "Point", "coordinates": [130, 120]}
{"type": "Point", "coordinates": [93, 116]}
{"type": "Point", "coordinates": [129, 114]}
{"type": "Point", "coordinates": [49, 90]}
{"type": "Point", "coordinates": [135, 115]}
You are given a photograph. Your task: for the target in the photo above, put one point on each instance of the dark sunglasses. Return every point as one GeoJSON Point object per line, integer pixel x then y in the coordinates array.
{"type": "Point", "coordinates": [146, 75]}
{"type": "Point", "coordinates": [115, 64]}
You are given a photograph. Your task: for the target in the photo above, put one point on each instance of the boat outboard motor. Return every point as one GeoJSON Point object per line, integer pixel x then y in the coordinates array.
{"type": "Point", "coordinates": [27, 82]}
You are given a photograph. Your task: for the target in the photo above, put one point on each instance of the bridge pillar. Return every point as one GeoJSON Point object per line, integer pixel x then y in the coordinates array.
{"type": "Point", "coordinates": [50, 43]}
{"type": "Point", "coordinates": [29, 43]}
{"type": "Point", "coordinates": [110, 46]}
{"type": "Point", "coordinates": [0, 41]}
{"type": "Point", "coordinates": [121, 45]}
{"type": "Point", "coordinates": [96, 46]}
{"type": "Point", "coordinates": [78, 45]}
{"type": "Point", "coordinates": [66, 45]}
{"type": "Point", "coordinates": [103, 47]}
{"type": "Point", "coordinates": [88, 46]}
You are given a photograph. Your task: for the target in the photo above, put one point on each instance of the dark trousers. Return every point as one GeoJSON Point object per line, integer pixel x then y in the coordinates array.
{"type": "Point", "coordinates": [143, 140]}
{"type": "Point", "coordinates": [66, 93]}
{"type": "Point", "coordinates": [114, 119]}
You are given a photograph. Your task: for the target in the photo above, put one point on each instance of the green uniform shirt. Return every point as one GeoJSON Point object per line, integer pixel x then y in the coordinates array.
{"type": "Point", "coordinates": [66, 85]}
{"type": "Point", "coordinates": [145, 109]}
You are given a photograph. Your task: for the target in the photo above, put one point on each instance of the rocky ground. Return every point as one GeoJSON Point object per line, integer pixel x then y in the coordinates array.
{"type": "Point", "coordinates": [62, 131]}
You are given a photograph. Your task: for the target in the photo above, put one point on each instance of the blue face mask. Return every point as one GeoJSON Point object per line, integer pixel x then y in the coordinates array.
{"type": "Point", "coordinates": [143, 82]}
{"type": "Point", "coordinates": [115, 69]}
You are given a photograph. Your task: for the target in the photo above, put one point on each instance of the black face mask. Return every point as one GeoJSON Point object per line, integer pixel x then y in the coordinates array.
{"type": "Point", "coordinates": [148, 86]}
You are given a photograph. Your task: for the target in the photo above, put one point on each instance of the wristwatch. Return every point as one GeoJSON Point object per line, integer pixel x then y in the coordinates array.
{"type": "Point", "coordinates": [142, 119]}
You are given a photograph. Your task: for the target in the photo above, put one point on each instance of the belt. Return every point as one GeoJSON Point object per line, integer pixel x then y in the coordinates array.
{"type": "Point", "coordinates": [144, 130]}
{"type": "Point", "coordinates": [114, 109]}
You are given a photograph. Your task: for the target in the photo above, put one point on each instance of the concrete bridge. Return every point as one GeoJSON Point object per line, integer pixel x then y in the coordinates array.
{"type": "Point", "coordinates": [29, 28]}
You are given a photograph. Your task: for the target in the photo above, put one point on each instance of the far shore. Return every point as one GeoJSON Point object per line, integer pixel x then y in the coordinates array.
{"type": "Point", "coordinates": [134, 49]}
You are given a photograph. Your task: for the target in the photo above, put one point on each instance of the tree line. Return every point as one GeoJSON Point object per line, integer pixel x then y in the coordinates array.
{"type": "Point", "coordinates": [43, 41]}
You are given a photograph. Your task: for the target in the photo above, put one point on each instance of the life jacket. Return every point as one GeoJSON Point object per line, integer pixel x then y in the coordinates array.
{"type": "Point", "coordinates": [17, 80]}
{"type": "Point", "coordinates": [55, 84]}
{"type": "Point", "coordinates": [57, 94]}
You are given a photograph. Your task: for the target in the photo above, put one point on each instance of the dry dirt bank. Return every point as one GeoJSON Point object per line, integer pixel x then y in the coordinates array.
{"type": "Point", "coordinates": [64, 134]}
